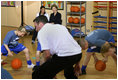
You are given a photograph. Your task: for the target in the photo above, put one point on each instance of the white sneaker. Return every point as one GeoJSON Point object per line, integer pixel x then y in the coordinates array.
{"type": "Point", "coordinates": [1, 60]}
{"type": "Point", "coordinates": [30, 66]}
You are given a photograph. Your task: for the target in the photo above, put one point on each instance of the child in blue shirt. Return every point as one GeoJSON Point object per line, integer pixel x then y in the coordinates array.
{"type": "Point", "coordinates": [99, 40]}
{"type": "Point", "coordinates": [11, 44]}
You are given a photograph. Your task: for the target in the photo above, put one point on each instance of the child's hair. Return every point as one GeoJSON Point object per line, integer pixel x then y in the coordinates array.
{"type": "Point", "coordinates": [22, 29]}
{"type": "Point", "coordinates": [54, 5]}
{"type": "Point", "coordinates": [105, 47]}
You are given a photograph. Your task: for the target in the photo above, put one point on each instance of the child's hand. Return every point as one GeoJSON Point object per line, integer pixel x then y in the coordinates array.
{"type": "Point", "coordinates": [105, 59]}
{"type": "Point", "coordinates": [10, 53]}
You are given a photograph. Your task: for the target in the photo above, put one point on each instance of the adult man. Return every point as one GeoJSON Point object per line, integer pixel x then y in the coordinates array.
{"type": "Point", "coordinates": [55, 40]}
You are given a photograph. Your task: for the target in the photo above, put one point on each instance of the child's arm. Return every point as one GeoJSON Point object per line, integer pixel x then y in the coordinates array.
{"type": "Point", "coordinates": [105, 59]}
{"type": "Point", "coordinates": [7, 48]}
{"type": "Point", "coordinates": [114, 56]}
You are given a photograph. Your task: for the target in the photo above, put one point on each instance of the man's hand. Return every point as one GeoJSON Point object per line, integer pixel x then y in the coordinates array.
{"type": "Point", "coordinates": [47, 54]}
{"type": "Point", "coordinates": [77, 69]}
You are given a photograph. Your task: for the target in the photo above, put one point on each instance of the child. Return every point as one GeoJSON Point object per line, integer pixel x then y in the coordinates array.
{"type": "Point", "coordinates": [10, 43]}
{"type": "Point", "coordinates": [38, 54]}
{"type": "Point", "coordinates": [100, 41]}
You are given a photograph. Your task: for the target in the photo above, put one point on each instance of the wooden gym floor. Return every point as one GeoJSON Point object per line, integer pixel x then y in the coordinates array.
{"type": "Point", "coordinates": [25, 73]}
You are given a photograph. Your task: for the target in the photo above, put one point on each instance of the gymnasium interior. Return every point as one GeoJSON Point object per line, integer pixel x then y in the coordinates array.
{"type": "Point", "coordinates": [89, 15]}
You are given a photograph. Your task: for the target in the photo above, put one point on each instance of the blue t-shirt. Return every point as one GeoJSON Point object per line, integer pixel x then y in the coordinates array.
{"type": "Point", "coordinates": [11, 39]}
{"type": "Point", "coordinates": [98, 37]}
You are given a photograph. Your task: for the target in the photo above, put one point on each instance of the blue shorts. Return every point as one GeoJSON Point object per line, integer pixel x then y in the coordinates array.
{"type": "Point", "coordinates": [38, 46]}
{"type": "Point", "coordinates": [97, 49]}
{"type": "Point", "coordinates": [16, 50]}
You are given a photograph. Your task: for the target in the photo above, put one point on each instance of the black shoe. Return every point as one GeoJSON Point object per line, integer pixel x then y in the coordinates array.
{"type": "Point", "coordinates": [83, 72]}
{"type": "Point", "coordinates": [35, 68]}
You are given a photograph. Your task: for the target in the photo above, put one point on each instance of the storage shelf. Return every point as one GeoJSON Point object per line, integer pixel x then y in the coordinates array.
{"type": "Point", "coordinates": [76, 2]}
{"type": "Point", "coordinates": [114, 33]}
{"type": "Point", "coordinates": [113, 17]}
{"type": "Point", "coordinates": [106, 20]}
{"type": "Point", "coordinates": [100, 22]}
{"type": "Point", "coordinates": [76, 13]}
{"type": "Point", "coordinates": [105, 17]}
{"type": "Point", "coordinates": [105, 27]}
{"type": "Point", "coordinates": [100, 27]}
{"type": "Point", "coordinates": [113, 27]}
{"type": "Point", "coordinates": [72, 24]}
{"type": "Point", "coordinates": [105, 1]}
{"type": "Point", "coordinates": [100, 16]}
{"type": "Point", "coordinates": [105, 6]}
{"type": "Point", "coordinates": [113, 22]}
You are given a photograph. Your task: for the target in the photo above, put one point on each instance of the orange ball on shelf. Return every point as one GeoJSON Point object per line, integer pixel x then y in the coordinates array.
{"type": "Point", "coordinates": [76, 9]}
{"type": "Point", "coordinates": [72, 8]}
{"type": "Point", "coordinates": [82, 9]}
{"type": "Point", "coordinates": [76, 20]}
{"type": "Point", "coordinates": [70, 19]}
{"type": "Point", "coordinates": [82, 20]}
{"type": "Point", "coordinates": [16, 63]}
{"type": "Point", "coordinates": [100, 65]}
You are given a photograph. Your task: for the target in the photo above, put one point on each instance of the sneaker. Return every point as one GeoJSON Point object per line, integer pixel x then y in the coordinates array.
{"type": "Point", "coordinates": [30, 66]}
{"type": "Point", "coordinates": [35, 68]}
{"type": "Point", "coordinates": [33, 42]}
{"type": "Point", "coordinates": [83, 72]}
{"type": "Point", "coordinates": [1, 60]}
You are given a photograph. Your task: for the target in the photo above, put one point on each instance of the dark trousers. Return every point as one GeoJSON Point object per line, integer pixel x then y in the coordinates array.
{"type": "Point", "coordinates": [51, 67]}
{"type": "Point", "coordinates": [34, 34]}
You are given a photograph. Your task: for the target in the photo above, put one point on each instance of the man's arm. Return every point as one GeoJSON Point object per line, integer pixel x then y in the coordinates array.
{"type": "Point", "coordinates": [47, 54]}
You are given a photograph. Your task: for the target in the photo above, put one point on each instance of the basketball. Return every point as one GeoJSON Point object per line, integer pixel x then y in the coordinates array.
{"type": "Point", "coordinates": [16, 63]}
{"type": "Point", "coordinates": [76, 9]}
{"type": "Point", "coordinates": [100, 65]}
{"type": "Point", "coordinates": [76, 20]}
{"type": "Point", "coordinates": [82, 20]}
{"type": "Point", "coordinates": [72, 8]}
{"type": "Point", "coordinates": [70, 19]}
{"type": "Point", "coordinates": [82, 9]}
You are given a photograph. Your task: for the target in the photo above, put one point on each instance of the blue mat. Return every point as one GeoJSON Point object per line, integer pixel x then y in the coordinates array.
{"type": "Point", "coordinates": [77, 33]}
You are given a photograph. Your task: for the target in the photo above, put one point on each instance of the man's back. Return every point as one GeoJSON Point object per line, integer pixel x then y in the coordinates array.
{"type": "Point", "coordinates": [58, 40]}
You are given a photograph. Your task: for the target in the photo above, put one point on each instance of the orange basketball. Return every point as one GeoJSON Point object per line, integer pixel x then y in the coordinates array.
{"type": "Point", "coordinates": [70, 19]}
{"type": "Point", "coordinates": [76, 20]}
{"type": "Point", "coordinates": [82, 20]}
{"type": "Point", "coordinates": [16, 63]}
{"type": "Point", "coordinates": [76, 9]}
{"type": "Point", "coordinates": [82, 9]}
{"type": "Point", "coordinates": [100, 65]}
{"type": "Point", "coordinates": [72, 8]}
